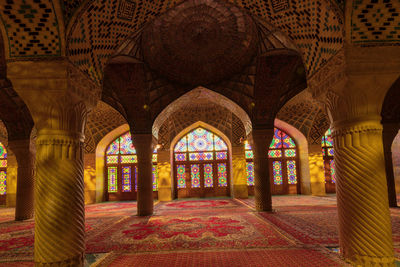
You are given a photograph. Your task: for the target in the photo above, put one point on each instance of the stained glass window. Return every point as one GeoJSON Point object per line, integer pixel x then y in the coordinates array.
{"type": "Point", "coordinates": [291, 172]}
{"type": "Point", "coordinates": [250, 173]}
{"type": "Point", "coordinates": [329, 163]}
{"type": "Point", "coordinates": [333, 174]}
{"type": "Point", "coordinates": [222, 175]}
{"type": "Point", "coordinates": [195, 175]}
{"type": "Point", "coordinates": [3, 182]}
{"type": "Point", "coordinates": [180, 174]}
{"type": "Point", "coordinates": [277, 172]}
{"type": "Point", "coordinates": [206, 156]}
{"type": "Point", "coordinates": [126, 179]}
{"type": "Point", "coordinates": [112, 179]}
{"type": "Point", "coordinates": [208, 175]}
{"type": "Point", "coordinates": [283, 157]}
{"type": "Point", "coordinates": [155, 178]}
{"type": "Point", "coordinates": [121, 158]}
{"type": "Point", "coordinates": [3, 170]}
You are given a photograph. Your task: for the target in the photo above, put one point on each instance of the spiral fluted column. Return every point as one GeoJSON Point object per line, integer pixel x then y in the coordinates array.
{"type": "Point", "coordinates": [25, 178]}
{"type": "Point", "coordinates": [390, 131]}
{"type": "Point", "coordinates": [364, 218]}
{"type": "Point", "coordinates": [59, 197]}
{"type": "Point", "coordinates": [260, 142]}
{"type": "Point", "coordinates": [144, 152]}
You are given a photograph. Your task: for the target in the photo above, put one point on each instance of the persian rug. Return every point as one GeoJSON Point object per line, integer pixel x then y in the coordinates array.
{"type": "Point", "coordinates": [256, 258]}
{"type": "Point", "coordinates": [308, 226]}
{"type": "Point", "coordinates": [111, 209]}
{"type": "Point", "coordinates": [200, 207]}
{"type": "Point", "coordinates": [160, 233]}
{"type": "Point", "coordinates": [295, 200]}
{"type": "Point", "coordinates": [7, 214]}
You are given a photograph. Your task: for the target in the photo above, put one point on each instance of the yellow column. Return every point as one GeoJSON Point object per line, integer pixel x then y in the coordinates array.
{"type": "Point", "coordinates": [164, 175]}
{"type": "Point", "coordinates": [317, 172]}
{"type": "Point", "coordinates": [260, 141]}
{"type": "Point", "coordinates": [364, 218]}
{"type": "Point", "coordinates": [239, 178]}
{"type": "Point", "coordinates": [144, 150]}
{"type": "Point", "coordinates": [58, 97]}
{"type": "Point", "coordinates": [25, 178]}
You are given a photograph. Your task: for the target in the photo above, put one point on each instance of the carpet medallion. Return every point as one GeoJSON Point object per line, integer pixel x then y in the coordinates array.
{"type": "Point", "coordinates": [187, 232]}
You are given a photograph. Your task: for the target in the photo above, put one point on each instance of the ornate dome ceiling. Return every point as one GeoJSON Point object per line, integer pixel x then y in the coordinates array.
{"type": "Point", "coordinates": [200, 42]}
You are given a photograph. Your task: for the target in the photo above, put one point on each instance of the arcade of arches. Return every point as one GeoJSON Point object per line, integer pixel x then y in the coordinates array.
{"type": "Point", "coordinates": [147, 102]}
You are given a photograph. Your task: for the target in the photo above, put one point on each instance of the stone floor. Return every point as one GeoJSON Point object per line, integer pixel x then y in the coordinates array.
{"type": "Point", "coordinates": [302, 231]}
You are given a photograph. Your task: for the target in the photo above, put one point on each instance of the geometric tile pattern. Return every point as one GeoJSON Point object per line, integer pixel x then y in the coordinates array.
{"type": "Point", "coordinates": [32, 28]}
{"type": "Point", "coordinates": [375, 21]}
{"type": "Point", "coordinates": [212, 114]}
{"type": "Point", "coordinates": [314, 26]}
{"type": "Point", "coordinates": [69, 7]}
{"type": "Point", "coordinates": [101, 120]}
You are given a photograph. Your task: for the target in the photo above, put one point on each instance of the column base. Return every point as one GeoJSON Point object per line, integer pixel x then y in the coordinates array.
{"type": "Point", "coordinates": [77, 261]}
{"type": "Point", "coordinates": [144, 213]}
{"type": "Point", "coordinates": [22, 218]}
{"type": "Point", "coordinates": [263, 207]}
{"type": "Point", "coordinates": [359, 260]}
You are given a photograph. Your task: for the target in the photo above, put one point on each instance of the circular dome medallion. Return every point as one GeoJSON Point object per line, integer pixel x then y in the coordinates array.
{"type": "Point", "coordinates": [200, 42]}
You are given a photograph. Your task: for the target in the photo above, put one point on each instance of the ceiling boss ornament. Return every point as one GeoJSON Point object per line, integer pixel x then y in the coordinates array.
{"type": "Point", "coordinates": [200, 42]}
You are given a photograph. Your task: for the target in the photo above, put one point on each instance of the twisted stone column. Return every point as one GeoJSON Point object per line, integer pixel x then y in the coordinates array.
{"type": "Point", "coordinates": [364, 218]}
{"type": "Point", "coordinates": [59, 199]}
{"type": "Point", "coordinates": [390, 131]}
{"type": "Point", "coordinates": [261, 139]}
{"type": "Point", "coordinates": [144, 152]}
{"type": "Point", "coordinates": [25, 178]}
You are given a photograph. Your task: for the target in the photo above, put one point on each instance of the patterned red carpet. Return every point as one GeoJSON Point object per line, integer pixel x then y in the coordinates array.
{"type": "Point", "coordinates": [211, 232]}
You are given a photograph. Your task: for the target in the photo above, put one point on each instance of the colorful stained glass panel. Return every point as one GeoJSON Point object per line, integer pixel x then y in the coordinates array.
{"type": "Point", "coordinates": [113, 148]}
{"type": "Point", "coordinates": [333, 172]}
{"type": "Point", "coordinates": [221, 155]}
{"type": "Point", "coordinates": [200, 140]}
{"type": "Point", "coordinates": [330, 151]}
{"type": "Point", "coordinates": [276, 140]}
{"type": "Point", "coordinates": [126, 179]}
{"type": "Point", "coordinates": [180, 156]}
{"type": "Point", "coordinates": [181, 146]}
{"type": "Point", "coordinates": [287, 142]}
{"type": "Point", "coordinates": [219, 144]}
{"type": "Point", "coordinates": [180, 175]}
{"type": "Point", "coordinates": [155, 178]}
{"type": "Point", "coordinates": [249, 154]}
{"type": "Point", "coordinates": [201, 156]}
{"type": "Point", "coordinates": [112, 179]}
{"type": "Point", "coordinates": [112, 159]}
{"type": "Point", "coordinates": [250, 173]}
{"type": "Point", "coordinates": [3, 163]}
{"type": "Point", "coordinates": [195, 175]}
{"type": "Point", "coordinates": [289, 153]}
{"type": "Point", "coordinates": [3, 183]}
{"type": "Point", "coordinates": [247, 146]}
{"type": "Point", "coordinates": [277, 172]}
{"type": "Point", "coordinates": [126, 146]}
{"type": "Point", "coordinates": [154, 158]}
{"type": "Point", "coordinates": [127, 159]}
{"type": "Point", "coordinates": [136, 175]}
{"type": "Point", "coordinates": [274, 153]}
{"type": "Point", "coordinates": [208, 175]}
{"type": "Point", "coordinates": [291, 172]}
{"type": "Point", "coordinates": [222, 175]}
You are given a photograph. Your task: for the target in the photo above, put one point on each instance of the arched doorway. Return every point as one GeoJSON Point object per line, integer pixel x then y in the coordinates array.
{"type": "Point", "coordinates": [3, 174]}
{"type": "Point", "coordinates": [121, 169]}
{"type": "Point", "coordinates": [329, 162]}
{"type": "Point", "coordinates": [201, 165]}
{"type": "Point", "coordinates": [283, 162]}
